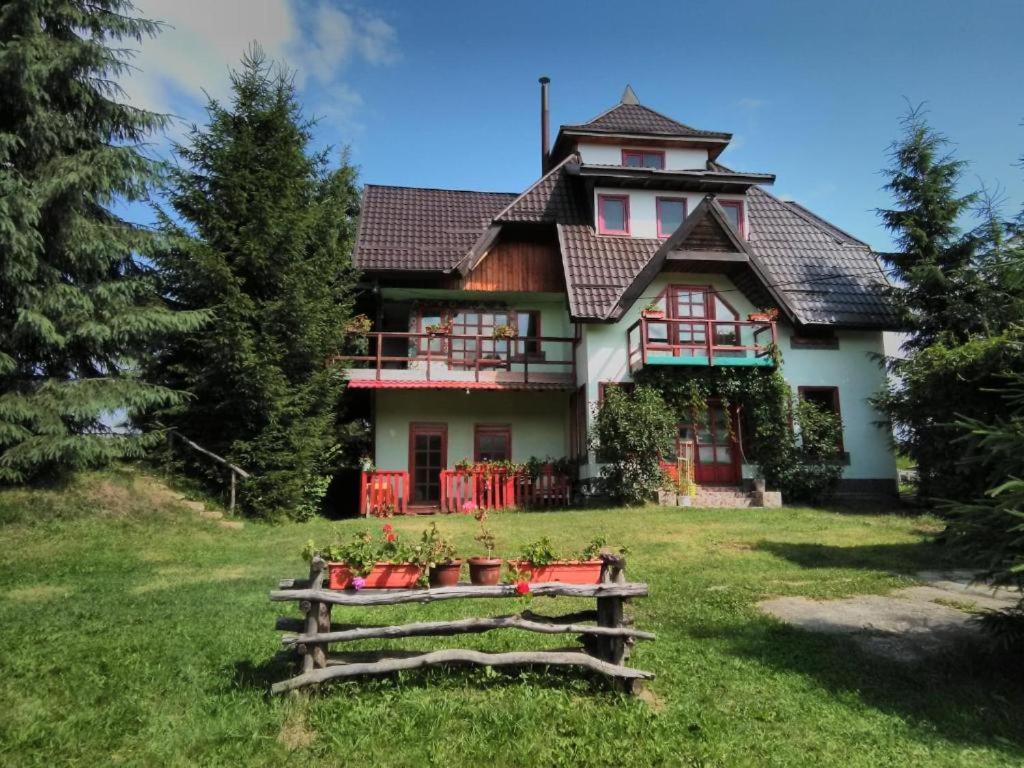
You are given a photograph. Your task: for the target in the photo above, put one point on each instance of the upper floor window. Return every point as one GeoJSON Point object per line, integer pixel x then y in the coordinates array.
{"type": "Point", "coordinates": [734, 212]}
{"type": "Point", "coordinates": [643, 158]}
{"type": "Point", "coordinates": [613, 214]}
{"type": "Point", "coordinates": [671, 212]}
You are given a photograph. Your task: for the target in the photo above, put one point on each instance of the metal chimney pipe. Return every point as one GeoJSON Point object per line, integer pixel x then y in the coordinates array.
{"type": "Point", "coordinates": [545, 146]}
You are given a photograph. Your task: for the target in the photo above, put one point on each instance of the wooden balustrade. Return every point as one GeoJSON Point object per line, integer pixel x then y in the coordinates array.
{"type": "Point", "coordinates": [499, 489]}
{"type": "Point", "coordinates": [383, 493]}
{"type": "Point", "coordinates": [681, 341]}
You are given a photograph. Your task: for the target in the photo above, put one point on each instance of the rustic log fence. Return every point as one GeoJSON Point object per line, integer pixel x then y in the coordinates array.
{"type": "Point", "coordinates": [235, 473]}
{"type": "Point", "coordinates": [606, 643]}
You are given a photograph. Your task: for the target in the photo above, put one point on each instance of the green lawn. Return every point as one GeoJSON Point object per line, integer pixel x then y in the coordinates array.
{"type": "Point", "coordinates": [134, 633]}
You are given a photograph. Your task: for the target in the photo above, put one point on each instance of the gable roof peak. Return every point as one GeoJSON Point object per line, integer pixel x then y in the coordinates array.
{"type": "Point", "coordinates": [629, 96]}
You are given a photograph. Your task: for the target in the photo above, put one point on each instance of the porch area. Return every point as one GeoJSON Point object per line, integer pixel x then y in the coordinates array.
{"type": "Point", "coordinates": [437, 450]}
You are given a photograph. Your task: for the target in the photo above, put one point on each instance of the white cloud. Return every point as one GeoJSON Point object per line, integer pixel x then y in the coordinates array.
{"type": "Point", "coordinates": [204, 39]}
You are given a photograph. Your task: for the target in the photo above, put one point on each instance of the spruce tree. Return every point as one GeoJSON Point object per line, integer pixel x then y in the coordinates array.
{"type": "Point", "coordinates": [76, 307]}
{"type": "Point", "coordinates": [939, 291]}
{"type": "Point", "coordinates": [260, 231]}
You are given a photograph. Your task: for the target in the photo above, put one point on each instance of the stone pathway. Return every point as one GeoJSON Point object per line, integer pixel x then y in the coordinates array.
{"type": "Point", "coordinates": [908, 625]}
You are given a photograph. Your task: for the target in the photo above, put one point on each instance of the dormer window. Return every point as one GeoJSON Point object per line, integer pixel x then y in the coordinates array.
{"type": "Point", "coordinates": [733, 212]}
{"type": "Point", "coordinates": [613, 214]}
{"type": "Point", "coordinates": [671, 212]}
{"type": "Point", "coordinates": [643, 158]}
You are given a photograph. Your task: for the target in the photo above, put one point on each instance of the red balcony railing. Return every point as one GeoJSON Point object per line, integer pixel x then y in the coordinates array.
{"type": "Point", "coordinates": [470, 359]}
{"type": "Point", "coordinates": [383, 493]}
{"type": "Point", "coordinates": [499, 489]}
{"type": "Point", "coordinates": [670, 341]}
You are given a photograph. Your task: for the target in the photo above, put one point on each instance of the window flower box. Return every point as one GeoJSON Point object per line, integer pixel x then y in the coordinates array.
{"type": "Point", "coordinates": [653, 314]}
{"type": "Point", "coordinates": [564, 571]}
{"type": "Point", "coordinates": [381, 576]}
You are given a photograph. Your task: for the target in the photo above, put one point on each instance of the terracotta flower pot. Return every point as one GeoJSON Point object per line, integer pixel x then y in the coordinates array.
{"type": "Point", "coordinates": [653, 314]}
{"type": "Point", "coordinates": [564, 571]}
{"type": "Point", "coordinates": [381, 576]}
{"type": "Point", "coordinates": [445, 574]}
{"type": "Point", "coordinates": [484, 571]}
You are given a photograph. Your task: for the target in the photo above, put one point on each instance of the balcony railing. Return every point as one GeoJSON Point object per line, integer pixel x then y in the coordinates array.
{"type": "Point", "coordinates": [668, 341]}
{"type": "Point", "coordinates": [383, 493]}
{"type": "Point", "coordinates": [498, 489]}
{"type": "Point", "coordinates": [480, 360]}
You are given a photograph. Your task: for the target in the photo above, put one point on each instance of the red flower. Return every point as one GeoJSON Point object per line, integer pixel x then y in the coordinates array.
{"type": "Point", "coordinates": [387, 528]}
{"type": "Point", "coordinates": [522, 588]}
{"type": "Point", "coordinates": [392, 537]}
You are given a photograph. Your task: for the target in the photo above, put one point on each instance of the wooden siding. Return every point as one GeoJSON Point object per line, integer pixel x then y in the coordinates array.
{"type": "Point", "coordinates": [707, 235]}
{"type": "Point", "coordinates": [517, 266]}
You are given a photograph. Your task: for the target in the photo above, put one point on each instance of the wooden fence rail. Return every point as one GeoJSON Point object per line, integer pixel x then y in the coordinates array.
{"type": "Point", "coordinates": [499, 489]}
{"type": "Point", "coordinates": [606, 644]}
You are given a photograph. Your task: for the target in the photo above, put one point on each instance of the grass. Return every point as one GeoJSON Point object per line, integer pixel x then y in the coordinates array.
{"type": "Point", "coordinates": [135, 633]}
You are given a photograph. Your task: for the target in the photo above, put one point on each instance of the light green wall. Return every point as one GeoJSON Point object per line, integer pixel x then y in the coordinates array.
{"type": "Point", "coordinates": [539, 421]}
{"type": "Point", "coordinates": [604, 358]}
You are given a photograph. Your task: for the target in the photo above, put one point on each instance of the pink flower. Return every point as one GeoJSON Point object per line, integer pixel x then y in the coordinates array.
{"type": "Point", "coordinates": [358, 582]}
{"type": "Point", "coordinates": [522, 588]}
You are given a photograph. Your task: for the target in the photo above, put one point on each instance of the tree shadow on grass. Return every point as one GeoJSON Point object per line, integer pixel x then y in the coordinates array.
{"type": "Point", "coordinates": [964, 695]}
{"type": "Point", "coordinates": [906, 558]}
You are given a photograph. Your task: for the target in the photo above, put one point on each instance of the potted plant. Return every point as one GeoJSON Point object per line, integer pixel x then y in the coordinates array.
{"type": "Point", "coordinates": [653, 312]}
{"type": "Point", "coordinates": [439, 555]}
{"type": "Point", "coordinates": [484, 571]}
{"type": "Point", "coordinates": [538, 562]}
{"type": "Point", "coordinates": [359, 325]}
{"type": "Point", "coordinates": [504, 332]}
{"type": "Point", "coordinates": [439, 329]}
{"type": "Point", "coordinates": [669, 489]}
{"type": "Point", "coordinates": [368, 563]}
{"type": "Point", "coordinates": [463, 465]}
{"type": "Point", "coordinates": [764, 315]}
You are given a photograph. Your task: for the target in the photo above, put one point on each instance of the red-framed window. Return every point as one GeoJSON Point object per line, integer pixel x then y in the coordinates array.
{"type": "Point", "coordinates": [492, 442]}
{"type": "Point", "coordinates": [670, 212]}
{"type": "Point", "coordinates": [826, 398]}
{"type": "Point", "coordinates": [643, 158]}
{"type": "Point", "coordinates": [613, 214]}
{"type": "Point", "coordinates": [470, 321]}
{"type": "Point", "coordinates": [734, 212]}
{"type": "Point", "coordinates": [603, 386]}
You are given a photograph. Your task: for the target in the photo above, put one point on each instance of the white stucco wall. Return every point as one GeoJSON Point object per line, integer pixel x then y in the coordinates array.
{"type": "Point", "coordinates": [539, 422]}
{"type": "Point", "coordinates": [676, 159]}
{"type": "Point", "coordinates": [849, 368]}
{"type": "Point", "coordinates": [643, 214]}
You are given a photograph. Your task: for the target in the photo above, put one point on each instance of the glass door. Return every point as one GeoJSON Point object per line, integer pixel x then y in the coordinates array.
{"type": "Point", "coordinates": [717, 458]}
{"type": "Point", "coordinates": [428, 449]}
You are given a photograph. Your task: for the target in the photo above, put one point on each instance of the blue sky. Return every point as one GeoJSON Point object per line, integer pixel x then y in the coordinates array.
{"type": "Point", "coordinates": [445, 94]}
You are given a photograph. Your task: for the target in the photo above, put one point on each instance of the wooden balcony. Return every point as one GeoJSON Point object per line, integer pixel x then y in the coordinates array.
{"type": "Point", "coordinates": [699, 342]}
{"type": "Point", "coordinates": [437, 361]}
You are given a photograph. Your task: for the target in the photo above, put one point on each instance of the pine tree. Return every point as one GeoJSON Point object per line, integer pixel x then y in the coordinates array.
{"type": "Point", "coordinates": [76, 305]}
{"type": "Point", "coordinates": [261, 233]}
{"type": "Point", "coordinates": [939, 292]}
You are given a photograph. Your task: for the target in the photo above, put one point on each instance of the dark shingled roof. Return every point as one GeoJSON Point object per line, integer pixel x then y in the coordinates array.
{"type": "Point", "coordinates": [638, 119]}
{"type": "Point", "coordinates": [408, 228]}
{"type": "Point", "coordinates": [551, 199]}
{"type": "Point", "coordinates": [825, 275]}
{"type": "Point", "coordinates": [821, 274]}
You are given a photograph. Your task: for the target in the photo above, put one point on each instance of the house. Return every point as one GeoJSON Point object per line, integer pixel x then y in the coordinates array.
{"type": "Point", "coordinates": [500, 318]}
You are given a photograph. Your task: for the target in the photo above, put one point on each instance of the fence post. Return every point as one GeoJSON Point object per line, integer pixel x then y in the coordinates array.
{"type": "Point", "coordinates": [231, 504]}
{"type": "Point", "coordinates": [316, 614]}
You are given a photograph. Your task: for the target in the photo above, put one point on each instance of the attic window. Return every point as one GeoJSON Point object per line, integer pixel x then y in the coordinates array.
{"type": "Point", "coordinates": [636, 158]}
{"type": "Point", "coordinates": [733, 212]}
{"type": "Point", "coordinates": [671, 212]}
{"type": "Point", "coordinates": [613, 214]}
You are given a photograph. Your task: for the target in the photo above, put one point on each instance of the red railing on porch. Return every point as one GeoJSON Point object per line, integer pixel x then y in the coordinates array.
{"type": "Point", "coordinates": [497, 489]}
{"type": "Point", "coordinates": [382, 492]}
{"type": "Point", "coordinates": [699, 341]}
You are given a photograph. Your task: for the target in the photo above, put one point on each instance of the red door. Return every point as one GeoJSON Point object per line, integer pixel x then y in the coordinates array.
{"type": "Point", "coordinates": [713, 446]}
{"type": "Point", "coordinates": [428, 455]}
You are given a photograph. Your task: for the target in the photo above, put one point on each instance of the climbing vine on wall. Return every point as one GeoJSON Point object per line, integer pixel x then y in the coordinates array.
{"type": "Point", "coordinates": [794, 466]}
